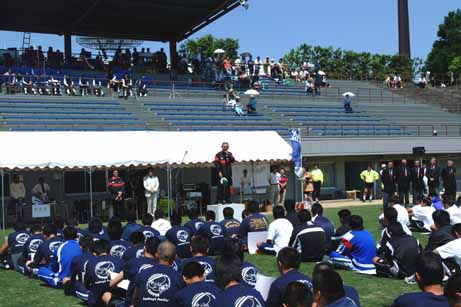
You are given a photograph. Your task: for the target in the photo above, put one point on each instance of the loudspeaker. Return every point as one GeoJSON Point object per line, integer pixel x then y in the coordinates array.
{"type": "Point", "coordinates": [419, 151]}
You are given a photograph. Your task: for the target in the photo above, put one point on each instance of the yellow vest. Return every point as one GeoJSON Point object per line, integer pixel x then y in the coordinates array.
{"type": "Point", "coordinates": [317, 175]}
{"type": "Point", "coordinates": [369, 176]}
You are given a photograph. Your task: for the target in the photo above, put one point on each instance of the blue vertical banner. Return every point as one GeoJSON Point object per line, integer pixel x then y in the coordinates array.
{"type": "Point", "coordinates": [296, 155]}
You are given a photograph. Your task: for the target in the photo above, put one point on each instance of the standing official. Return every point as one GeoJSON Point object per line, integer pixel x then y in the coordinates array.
{"type": "Point", "coordinates": [274, 188]}
{"type": "Point", "coordinates": [116, 187]}
{"type": "Point", "coordinates": [369, 177]}
{"type": "Point", "coordinates": [317, 180]}
{"type": "Point", "coordinates": [283, 184]}
{"type": "Point", "coordinates": [388, 180]}
{"type": "Point", "coordinates": [417, 181]}
{"type": "Point", "coordinates": [449, 179]}
{"type": "Point", "coordinates": [403, 178]}
{"type": "Point", "coordinates": [223, 164]}
{"type": "Point", "coordinates": [433, 176]}
{"type": "Point", "coordinates": [151, 186]}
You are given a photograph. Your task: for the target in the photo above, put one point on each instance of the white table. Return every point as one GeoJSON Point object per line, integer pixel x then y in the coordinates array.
{"type": "Point", "coordinates": [218, 208]}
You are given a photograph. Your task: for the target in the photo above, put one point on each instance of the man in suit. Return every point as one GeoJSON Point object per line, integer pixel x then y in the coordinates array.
{"type": "Point", "coordinates": [417, 181]}
{"type": "Point", "coordinates": [403, 177]}
{"type": "Point", "coordinates": [449, 179]}
{"type": "Point", "coordinates": [388, 177]}
{"type": "Point", "coordinates": [433, 176]}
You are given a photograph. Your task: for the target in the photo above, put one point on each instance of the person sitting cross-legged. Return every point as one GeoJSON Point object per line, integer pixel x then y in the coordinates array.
{"type": "Point", "coordinates": [13, 246]}
{"type": "Point", "coordinates": [75, 285]}
{"type": "Point", "coordinates": [429, 275]}
{"type": "Point", "coordinates": [278, 234]}
{"type": "Point", "coordinates": [329, 291]}
{"type": "Point", "coordinates": [214, 232]}
{"type": "Point", "coordinates": [118, 247]}
{"type": "Point", "coordinates": [199, 248]}
{"type": "Point", "coordinates": [179, 236]}
{"type": "Point", "coordinates": [451, 252]}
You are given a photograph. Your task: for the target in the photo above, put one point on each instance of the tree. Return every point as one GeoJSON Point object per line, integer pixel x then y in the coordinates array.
{"type": "Point", "coordinates": [455, 65]}
{"type": "Point", "coordinates": [205, 45]}
{"type": "Point", "coordinates": [448, 44]}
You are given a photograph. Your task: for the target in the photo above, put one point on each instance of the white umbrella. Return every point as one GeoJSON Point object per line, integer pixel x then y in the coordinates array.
{"type": "Point", "coordinates": [219, 51]}
{"type": "Point", "coordinates": [251, 92]}
{"type": "Point", "coordinates": [309, 65]}
{"type": "Point", "coordinates": [350, 94]}
{"type": "Point", "coordinates": [321, 72]}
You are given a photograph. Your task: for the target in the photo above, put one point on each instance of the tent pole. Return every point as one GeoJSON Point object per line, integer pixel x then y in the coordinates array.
{"type": "Point", "coordinates": [90, 170]}
{"type": "Point", "coordinates": [2, 173]}
{"type": "Point", "coordinates": [168, 179]}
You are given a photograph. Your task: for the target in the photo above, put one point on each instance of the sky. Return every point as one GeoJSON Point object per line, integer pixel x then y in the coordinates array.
{"type": "Point", "coordinates": [273, 27]}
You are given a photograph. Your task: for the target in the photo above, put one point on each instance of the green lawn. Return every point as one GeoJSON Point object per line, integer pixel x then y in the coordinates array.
{"type": "Point", "coordinates": [17, 291]}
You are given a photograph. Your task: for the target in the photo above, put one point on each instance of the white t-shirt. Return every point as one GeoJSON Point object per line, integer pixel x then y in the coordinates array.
{"type": "Point", "coordinates": [451, 250]}
{"type": "Point", "coordinates": [162, 226]}
{"type": "Point", "coordinates": [279, 233]}
{"type": "Point", "coordinates": [424, 215]}
{"type": "Point", "coordinates": [402, 215]}
{"type": "Point", "coordinates": [455, 214]}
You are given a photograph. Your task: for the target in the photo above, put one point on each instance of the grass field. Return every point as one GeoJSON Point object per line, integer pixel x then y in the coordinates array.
{"type": "Point", "coordinates": [18, 291]}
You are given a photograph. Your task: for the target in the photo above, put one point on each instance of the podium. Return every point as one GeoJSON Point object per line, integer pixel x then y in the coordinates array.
{"type": "Point", "coordinates": [218, 208]}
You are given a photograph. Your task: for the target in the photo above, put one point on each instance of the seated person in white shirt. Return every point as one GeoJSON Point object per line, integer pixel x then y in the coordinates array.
{"type": "Point", "coordinates": [41, 190]}
{"type": "Point", "coordinates": [160, 224]}
{"type": "Point", "coordinates": [451, 252]}
{"type": "Point", "coordinates": [452, 209]}
{"type": "Point", "coordinates": [421, 215]}
{"type": "Point", "coordinates": [402, 214]}
{"type": "Point", "coordinates": [278, 233]}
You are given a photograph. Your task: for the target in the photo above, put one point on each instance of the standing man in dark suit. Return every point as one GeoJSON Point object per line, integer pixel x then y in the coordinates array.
{"type": "Point", "coordinates": [433, 176]}
{"type": "Point", "coordinates": [417, 181]}
{"type": "Point", "coordinates": [449, 179]}
{"type": "Point", "coordinates": [388, 177]}
{"type": "Point", "coordinates": [403, 177]}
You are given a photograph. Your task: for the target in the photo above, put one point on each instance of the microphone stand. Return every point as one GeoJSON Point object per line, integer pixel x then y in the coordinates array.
{"type": "Point", "coordinates": [178, 171]}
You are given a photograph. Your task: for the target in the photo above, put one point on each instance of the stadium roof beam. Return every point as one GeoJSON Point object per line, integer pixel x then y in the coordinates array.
{"type": "Point", "coordinates": [154, 20]}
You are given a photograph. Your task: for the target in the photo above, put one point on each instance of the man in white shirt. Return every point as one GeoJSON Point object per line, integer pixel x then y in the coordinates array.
{"type": "Point", "coordinates": [17, 189]}
{"type": "Point", "coordinates": [421, 215]}
{"type": "Point", "coordinates": [160, 224]}
{"type": "Point", "coordinates": [452, 209]}
{"type": "Point", "coordinates": [151, 186]}
{"type": "Point", "coordinates": [278, 233]}
{"type": "Point", "coordinates": [402, 214]}
{"type": "Point", "coordinates": [274, 188]}
{"type": "Point", "coordinates": [452, 249]}
{"type": "Point", "coordinates": [41, 190]}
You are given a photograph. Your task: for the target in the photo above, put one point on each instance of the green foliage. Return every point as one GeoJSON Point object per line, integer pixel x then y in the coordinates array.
{"type": "Point", "coordinates": [205, 46]}
{"type": "Point", "coordinates": [448, 44]}
{"type": "Point", "coordinates": [455, 65]}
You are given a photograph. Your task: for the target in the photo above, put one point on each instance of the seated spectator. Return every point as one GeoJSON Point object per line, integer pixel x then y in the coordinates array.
{"type": "Point", "coordinates": [436, 202]}
{"type": "Point", "coordinates": [329, 291]}
{"type": "Point", "coordinates": [308, 239]}
{"type": "Point", "coordinates": [84, 85]}
{"type": "Point", "coordinates": [356, 250]}
{"type": "Point", "coordinates": [141, 87]}
{"type": "Point", "coordinates": [13, 246]}
{"type": "Point", "coordinates": [390, 217]}
{"type": "Point", "coordinates": [179, 236]}
{"type": "Point", "coordinates": [451, 251]}
{"type": "Point", "coordinates": [429, 276]}
{"type": "Point", "coordinates": [278, 234]}
{"type": "Point", "coordinates": [403, 216]}
{"type": "Point", "coordinates": [97, 274]}
{"type": "Point", "coordinates": [131, 226]}
{"type": "Point", "coordinates": [54, 274]}
{"type": "Point", "coordinates": [291, 213]}
{"type": "Point", "coordinates": [347, 102]}
{"type": "Point", "coordinates": [194, 222]}
{"type": "Point", "coordinates": [396, 259]}
{"type": "Point", "coordinates": [146, 227]}
{"type": "Point", "coordinates": [75, 285]}
{"type": "Point", "coordinates": [253, 223]}
{"type": "Point", "coordinates": [127, 86]}
{"type": "Point", "coordinates": [197, 292]}
{"type": "Point", "coordinates": [230, 224]}
{"type": "Point", "coordinates": [30, 247]}
{"type": "Point", "coordinates": [238, 108]}
{"type": "Point", "coordinates": [54, 85]}
{"type": "Point", "coordinates": [442, 232]}
{"type": "Point", "coordinates": [251, 106]}
{"type": "Point", "coordinates": [421, 215]}
{"type": "Point", "coordinates": [73, 222]}
{"type": "Point", "coordinates": [453, 290]}
{"type": "Point", "coordinates": [213, 232]}
{"type": "Point", "coordinates": [118, 247]}
{"type": "Point", "coordinates": [96, 229]}
{"type": "Point", "coordinates": [233, 247]}
{"type": "Point", "coordinates": [297, 295]}
{"type": "Point", "coordinates": [46, 250]}
{"type": "Point", "coordinates": [136, 249]}
{"type": "Point", "coordinates": [344, 216]}
{"type": "Point", "coordinates": [452, 209]}
{"type": "Point", "coordinates": [199, 249]}
{"type": "Point", "coordinates": [320, 220]}
{"type": "Point", "coordinates": [69, 86]}
{"type": "Point", "coordinates": [28, 85]}
{"type": "Point", "coordinates": [229, 279]}
{"type": "Point", "coordinates": [156, 286]}
{"type": "Point", "coordinates": [97, 87]}
{"type": "Point", "coordinates": [288, 263]}
{"type": "Point", "coordinates": [161, 224]}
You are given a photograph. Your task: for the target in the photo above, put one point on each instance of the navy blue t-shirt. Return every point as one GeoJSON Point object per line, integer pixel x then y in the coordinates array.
{"type": "Point", "coordinates": [17, 240]}
{"type": "Point", "coordinates": [352, 293]}
{"type": "Point", "coordinates": [97, 275]}
{"type": "Point", "coordinates": [46, 250]}
{"type": "Point", "coordinates": [194, 225]}
{"type": "Point", "coordinates": [77, 273]}
{"type": "Point", "coordinates": [199, 294]}
{"type": "Point", "coordinates": [231, 226]}
{"type": "Point", "coordinates": [128, 229]}
{"type": "Point", "coordinates": [157, 286]}
{"type": "Point", "coordinates": [136, 251]}
{"type": "Point", "coordinates": [249, 273]}
{"type": "Point", "coordinates": [149, 232]}
{"type": "Point", "coordinates": [215, 234]}
{"type": "Point", "coordinates": [344, 302]}
{"type": "Point", "coordinates": [253, 223]}
{"type": "Point", "coordinates": [180, 236]}
{"type": "Point", "coordinates": [102, 235]}
{"type": "Point", "coordinates": [239, 295]}
{"type": "Point", "coordinates": [31, 246]}
{"type": "Point", "coordinates": [136, 265]}
{"type": "Point", "coordinates": [421, 299]}
{"type": "Point", "coordinates": [118, 248]}
{"type": "Point", "coordinates": [206, 262]}
{"type": "Point", "coordinates": [278, 287]}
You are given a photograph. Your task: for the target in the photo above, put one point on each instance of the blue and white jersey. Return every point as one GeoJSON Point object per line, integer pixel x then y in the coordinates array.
{"type": "Point", "coordinates": [206, 262]}
{"type": "Point", "coordinates": [157, 286]}
{"type": "Point", "coordinates": [46, 251]}
{"type": "Point", "coordinates": [118, 248]}
{"type": "Point", "coordinates": [149, 232]}
{"type": "Point", "coordinates": [249, 273]}
{"type": "Point", "coordinates": [278, 287]}
{"type": "Point", "coordinates": [194, 225]}
{"type": "Point", "coordinates": [359, 245]}
{"type": "Point", "coordinates": [239, 295]}
{"type": "Point", "coordinates": [17, 240]}
{"type": "Point", "coordinates": [97, 276]}
{"type": "Point", "coordinates": [64, 255]}
{"type": "Point", "coordinates": [31, 246]}
{"type": "Point", "coordinates": [181, 237]}
{"type": "Point", "coordinates": [136, 251]}
{"type": "Point", "coordinates": [199, 294]}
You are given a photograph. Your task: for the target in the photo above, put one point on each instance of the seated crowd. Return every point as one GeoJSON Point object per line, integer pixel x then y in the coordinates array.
{"type": "Point", "coordinates": [164, 262]}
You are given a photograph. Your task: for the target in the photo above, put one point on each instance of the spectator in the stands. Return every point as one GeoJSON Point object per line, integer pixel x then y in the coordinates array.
{"type": "Point", "coordinates": [84, 85]}
{"type": "Point", "coordinates": [251, 106]}
{"type": "Point", "coordinates": [69, 86]}
{"type": "Point", "coordinates": [347, 103]}
{"type": "Point", "coordinates": [127, 85]}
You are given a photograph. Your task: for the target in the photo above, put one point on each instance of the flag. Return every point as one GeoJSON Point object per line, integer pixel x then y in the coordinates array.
{"type": "Point", "coordinates": [295, 140]}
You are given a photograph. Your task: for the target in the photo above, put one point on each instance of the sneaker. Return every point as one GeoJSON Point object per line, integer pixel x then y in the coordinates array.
{"type": "Point", "coordinates": [411, 280]}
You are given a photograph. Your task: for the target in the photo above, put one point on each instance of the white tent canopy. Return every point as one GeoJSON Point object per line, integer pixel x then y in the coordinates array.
{"type": "Point", "coordinates": [76, 149]}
